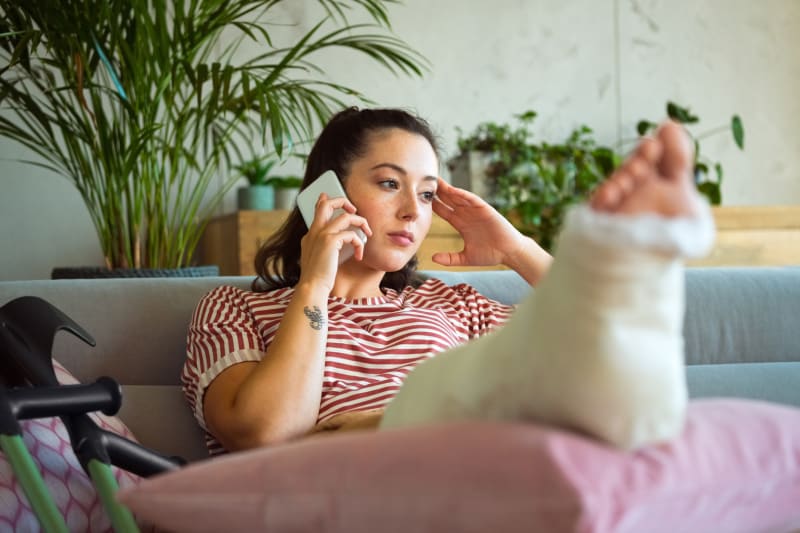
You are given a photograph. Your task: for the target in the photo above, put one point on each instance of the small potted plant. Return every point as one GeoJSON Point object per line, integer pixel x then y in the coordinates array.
{"type": "Point", "coordinates": [259, 193]}
{"type": "Point", "coordinates": [707, 184]}
{"type": "Point", "coordinates": [286, 189]}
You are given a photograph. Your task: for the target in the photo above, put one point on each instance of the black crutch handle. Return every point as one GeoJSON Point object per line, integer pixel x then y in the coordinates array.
{"type": "Point", "coordinates": [63, 400]}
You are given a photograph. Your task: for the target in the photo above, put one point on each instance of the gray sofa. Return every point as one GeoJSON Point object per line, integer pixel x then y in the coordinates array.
{"type": "Point", "coordinates": [740, 338]}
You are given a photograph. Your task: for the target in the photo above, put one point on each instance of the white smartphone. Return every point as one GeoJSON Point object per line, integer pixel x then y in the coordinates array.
{"type": "Point", "coordinates": [329, 184]}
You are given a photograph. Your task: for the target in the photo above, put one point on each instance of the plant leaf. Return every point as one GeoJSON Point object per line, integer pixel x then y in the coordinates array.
{"type": "Point", "coordinates": [680, 114]}
{"type": "Point", "coordinates": [711, 191]}
{"type": "Point", "coordinates": [738, 131]}
{"type": "Point", "coordinates": [643, 127]}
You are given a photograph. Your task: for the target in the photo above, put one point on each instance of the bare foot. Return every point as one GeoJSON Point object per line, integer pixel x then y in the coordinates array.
{"type": "Point", "coordinates": [656, 178]}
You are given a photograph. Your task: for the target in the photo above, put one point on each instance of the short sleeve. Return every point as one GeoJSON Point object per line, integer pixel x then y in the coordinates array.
{"type": "Point", "coordinates": [222, 333]}
{"type": "Point", "coordinates": [470, 312]}
{"type": "Point", "coordinates": [480, 314]}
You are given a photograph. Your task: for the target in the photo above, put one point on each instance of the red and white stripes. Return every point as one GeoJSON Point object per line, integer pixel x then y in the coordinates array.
{"type": "Point", "coordinates": [372, 345]}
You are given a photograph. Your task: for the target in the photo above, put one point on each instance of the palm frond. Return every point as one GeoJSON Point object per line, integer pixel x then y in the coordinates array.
{"type": "Point", "coordinates": [140, 103]}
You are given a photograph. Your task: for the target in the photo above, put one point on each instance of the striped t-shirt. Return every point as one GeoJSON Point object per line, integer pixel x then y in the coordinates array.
{"type": "Point", "coordinates": [372, 345]}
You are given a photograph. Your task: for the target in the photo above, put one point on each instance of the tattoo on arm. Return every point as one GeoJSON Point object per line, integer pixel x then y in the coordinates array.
{"type": "Point", "coordinates": [315, 317]}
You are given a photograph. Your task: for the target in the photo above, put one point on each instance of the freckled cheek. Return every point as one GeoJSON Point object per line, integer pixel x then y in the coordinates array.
{"type": "Point", "coordinates": [425, 224]}
{"type": "Point", "coordinates": [375, 212]}
{"type": "Point", "coordinates": [373, 219]}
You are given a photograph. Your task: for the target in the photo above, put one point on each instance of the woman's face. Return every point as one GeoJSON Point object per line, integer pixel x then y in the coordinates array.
{"type": "Point", "coordinates": [393, 187]}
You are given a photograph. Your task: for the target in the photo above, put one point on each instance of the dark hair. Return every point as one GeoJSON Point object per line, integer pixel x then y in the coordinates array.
{"type": "Point", "coordinates": [345, 138]}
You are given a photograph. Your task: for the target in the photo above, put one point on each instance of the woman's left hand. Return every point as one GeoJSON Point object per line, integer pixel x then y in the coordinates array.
{"type": "Point", "coordinates": [489, 238]}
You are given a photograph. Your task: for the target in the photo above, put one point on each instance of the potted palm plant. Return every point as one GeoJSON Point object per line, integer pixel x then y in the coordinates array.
{"type": "Point", "coordinates": [139, 103]}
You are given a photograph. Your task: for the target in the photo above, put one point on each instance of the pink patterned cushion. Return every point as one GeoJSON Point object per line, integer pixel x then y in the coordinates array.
{"type": "Point", "coordinates": [735, 468]}
{"type": "Point", "coordinates": [72, 491]}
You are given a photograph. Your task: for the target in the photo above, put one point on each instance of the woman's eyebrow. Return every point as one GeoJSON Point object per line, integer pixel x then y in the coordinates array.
{"type": "Point", "coordinates": [401, 170]}
{"type": "Point", "coordinates": [398, 168]}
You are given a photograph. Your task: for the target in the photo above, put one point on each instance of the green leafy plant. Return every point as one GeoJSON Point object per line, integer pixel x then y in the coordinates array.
{"type": "Point", "coordinates": [256, 171]}
{"type": "Point", "coordinates": [285, 182]}
{"type": "Point", "coordinates": [533, 184]}
{"type": "Point", "coordinates": [710, 186]}
{"type": "Point", "coordinates": [139, 103]}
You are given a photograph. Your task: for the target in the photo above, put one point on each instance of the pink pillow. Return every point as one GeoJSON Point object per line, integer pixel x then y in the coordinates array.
{"type": "Point", "coordinates": [735, 468]}
{"type": "Point", "coordinates": [75, 497]}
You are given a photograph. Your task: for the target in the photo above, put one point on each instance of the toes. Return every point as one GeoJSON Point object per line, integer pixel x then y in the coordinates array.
{"type": "Point", "coordinates": [677, 152]}
{"type": "Point", "coordinates": [625, 182]}
{"type": "Point", "coordinates": [668, 156]}
{"type": "Point", "coordinates": [609, 194]}
{"type": "Point", "coordinates": [637, 170]}
{"type": "Point", "coordinates": [648, 149]}
{"type": "Point", "coordinates": [643, 182]}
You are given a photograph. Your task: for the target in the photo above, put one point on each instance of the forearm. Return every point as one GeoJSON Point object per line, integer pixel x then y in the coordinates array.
{"type": "Point", "coordinates": [279, 399]}
{"type": "Point", "coordinates": [530, 261]}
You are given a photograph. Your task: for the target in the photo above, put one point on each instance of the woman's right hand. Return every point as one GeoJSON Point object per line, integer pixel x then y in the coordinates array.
{"type": "Point", "coordinates": [277, 399]}
{"type": "Point", "coordinates": [320, 246]}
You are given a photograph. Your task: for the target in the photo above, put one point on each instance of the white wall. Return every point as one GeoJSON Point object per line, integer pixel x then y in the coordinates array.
{"type": "Point", "coordinates": [605, 63]}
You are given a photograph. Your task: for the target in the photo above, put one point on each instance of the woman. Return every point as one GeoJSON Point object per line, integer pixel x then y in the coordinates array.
{"type": "Point", "coordinates": [324, 346]}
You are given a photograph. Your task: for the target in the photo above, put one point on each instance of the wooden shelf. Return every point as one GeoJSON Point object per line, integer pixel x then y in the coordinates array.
{"type": "Point", "coordinates": [746, 236]}
{"type": "Point", "coordinates": [755, 236]}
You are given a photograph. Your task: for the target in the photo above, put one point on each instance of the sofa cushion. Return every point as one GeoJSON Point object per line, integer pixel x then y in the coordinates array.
{"type": "Point", "coordinates": [139, 324]}
{"type": "Point", "coordinates": [736, 467]}
{"type": "Point", "coordinates": [162, 420]}
{"type": "Point", "coordinates": [74, 495]}
{"type": "Point", "coordinates": [772, 382]}
{"type": "Point", "coordinates": [740, 315]}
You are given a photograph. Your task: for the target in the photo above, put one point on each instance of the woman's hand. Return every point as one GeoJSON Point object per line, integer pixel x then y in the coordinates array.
{"type": "Point", "coordinates": [489, 238]}
{"type": "Point", "coordinates": [320, 246]}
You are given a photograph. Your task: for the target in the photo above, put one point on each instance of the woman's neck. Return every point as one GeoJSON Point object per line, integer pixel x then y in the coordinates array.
{"type": "Point", "coordinates": [356, 283]}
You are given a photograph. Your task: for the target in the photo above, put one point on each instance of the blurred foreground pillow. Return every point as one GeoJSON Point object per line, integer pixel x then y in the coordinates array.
{"type": "Point", "coordinates": [736, 467]}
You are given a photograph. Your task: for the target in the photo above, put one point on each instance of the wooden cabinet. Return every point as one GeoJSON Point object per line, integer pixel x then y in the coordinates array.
{"type": "Point", "coordinates": [746, 236]}
{"type": "Point", "coordinates": [231, 241]}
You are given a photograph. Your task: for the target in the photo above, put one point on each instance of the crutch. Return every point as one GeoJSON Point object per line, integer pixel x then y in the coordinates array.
{"type": "Point", "coordinates": [27, 329]}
